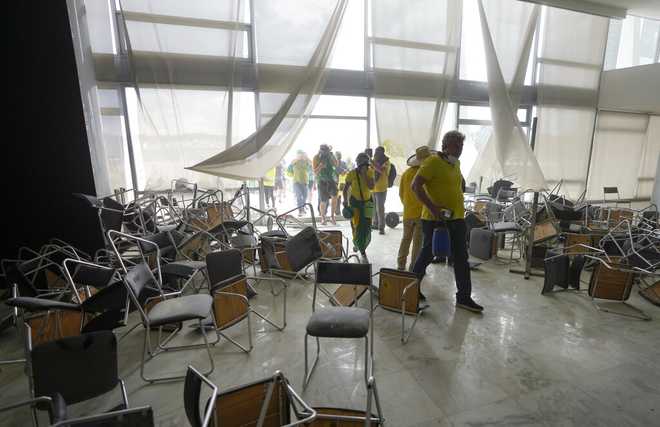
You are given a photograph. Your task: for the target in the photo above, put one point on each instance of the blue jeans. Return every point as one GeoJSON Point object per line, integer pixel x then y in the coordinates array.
{"type": "Point", "coordinates": [457, 231]}
{"type": "Point", "coordinates": [300, 189]}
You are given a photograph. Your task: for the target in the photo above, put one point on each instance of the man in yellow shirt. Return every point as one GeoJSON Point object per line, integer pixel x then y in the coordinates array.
{"type": "Point", "coordinates": [412, 210]}
{"type": "Point", "coordinates": [381, 165]}
{"type": "Point", "coordinates": [269, 186]}
{"type": "Point", "coordinates": [439, 186]}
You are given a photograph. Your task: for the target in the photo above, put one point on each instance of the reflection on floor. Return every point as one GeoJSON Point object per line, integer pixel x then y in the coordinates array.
{"type": "Point", "coordinates": [529, 360]}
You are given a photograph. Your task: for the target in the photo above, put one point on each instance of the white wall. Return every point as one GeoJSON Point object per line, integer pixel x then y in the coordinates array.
{"type": "Point", "coordinates": [634, 89]}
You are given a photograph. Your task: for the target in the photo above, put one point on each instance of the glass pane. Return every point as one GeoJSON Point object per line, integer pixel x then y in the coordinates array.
{"type": "Point", "coordinates": [348, 52]}
{"type": "Point", "coordinates": [334, 105]}
{"type": "Point", "coordinates": [473, 57]}
{"type": "Point", "coordinates": [228, 10]}
{"type": "Point", "coordinates": [100, 26]}
{"type": "Point", "coordinates": [476, 137]}
{"type": "Point", "coordinates": [243, 123]}
{"type": "Point", "coordinates": [474, 113]}
{"type": "Point", "coordinates": [409, 59]}
{"type": "Point", "coordinates": [116, 151]}
{"type": "Point", "coordinates": [149, 37]}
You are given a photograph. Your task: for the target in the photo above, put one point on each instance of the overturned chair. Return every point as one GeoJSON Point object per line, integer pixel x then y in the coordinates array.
{"type": "Point", "coordinates": [398, 291]}
{"type": "Point", "coordinates": [271, 401]}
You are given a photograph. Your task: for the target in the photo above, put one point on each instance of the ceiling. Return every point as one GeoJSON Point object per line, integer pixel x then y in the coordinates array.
{"type": "Point", "coordinates": [644, 8]}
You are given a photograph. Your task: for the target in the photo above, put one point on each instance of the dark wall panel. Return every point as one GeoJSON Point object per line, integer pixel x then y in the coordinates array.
{"type": "Point", "coordinates": [46, 157]}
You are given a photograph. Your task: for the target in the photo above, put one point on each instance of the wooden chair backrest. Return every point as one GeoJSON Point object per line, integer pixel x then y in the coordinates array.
{"type": "Point", "coordinates": [545, 230]}
{"type": "Point", "coordinates": [575, 239]}
{"type": "Point", "coordinates": [390, 290]}
{"type": "Point", "coordinates": [610, 284]}
{"type": "Point", "coordinates": [229, 309]}
{"type": "Point", "coordinates": [241, 406]}
{"type": "Point", "coordinates": [331, 243]}
{"type": "Point", "coordinates": [54, 325]}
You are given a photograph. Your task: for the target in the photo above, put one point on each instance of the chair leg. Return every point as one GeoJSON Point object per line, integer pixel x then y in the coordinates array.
{"type": "Point", "coordinates": [366, 360]}
{"type": "Point", "coordinates": [309, 372]}
{"type": "Point", "coordinates": [236, 343]}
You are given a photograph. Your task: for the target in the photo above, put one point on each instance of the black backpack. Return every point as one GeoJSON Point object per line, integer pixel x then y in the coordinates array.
{"type": "Point", "coordinates": [391, 176]}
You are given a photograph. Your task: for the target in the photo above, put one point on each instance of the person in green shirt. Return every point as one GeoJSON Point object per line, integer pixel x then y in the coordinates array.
{"type": "Point", "coordinates": [439, 186]}
{"type": "Point", "coordinates": [325, 165]}
{"type": "Point", "coordinates": [299, 170]}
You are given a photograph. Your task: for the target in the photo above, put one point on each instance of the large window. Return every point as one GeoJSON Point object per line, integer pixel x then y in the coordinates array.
{"type": "Point", "coordinates": [632, 41]}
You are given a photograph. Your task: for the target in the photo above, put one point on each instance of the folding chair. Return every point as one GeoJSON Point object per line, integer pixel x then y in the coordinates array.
{"type": "Point", "coordinates": [398, 291]}
{"type": "Point", "coordinates": [267, 402]}
{"type": "Point", "coordinates": [167, 311]}
{"type": "Point", "coordinates": [55, 367]}
{"type": "Point", "coordinates": [613, 281]}
{"type": "Point", "coordinates": [341, 322]}
{"type": "Point", "coordinates": [229, 292]}
{"type": "Point", "coordinates": [292, 257]}
{"type": "Point", "coordinates": [175, 266]}
{"type": "Point", "coordinates": [224, 269]}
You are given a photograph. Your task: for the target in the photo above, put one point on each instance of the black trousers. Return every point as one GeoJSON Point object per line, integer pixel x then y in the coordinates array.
{"type": "Point", "coordinates": [457, 231]}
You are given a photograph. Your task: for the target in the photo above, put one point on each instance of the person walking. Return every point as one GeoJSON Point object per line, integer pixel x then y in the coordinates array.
{"type": "Point", "coordinates": [325, 164]}
{"type": "Point", "coordinates": [299, 170]}
{"type": "Point", "coordinates": [357, 197]}
{"type": "Point", "coordinates": [439, 186]}
{"type": "Point", "coordinates": [381, 165]}
{"type": "Point", "coordinates": [269, 186]}
{"type": "Point", "coordinates": [341, 171]}
{"type": "Point", "coordinates": [279, 182]}
{"type": "Point", "coordinates": [412, 210]}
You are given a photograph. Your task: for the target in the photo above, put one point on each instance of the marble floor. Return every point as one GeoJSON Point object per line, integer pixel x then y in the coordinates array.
{"type": "Point", "coordinates": [528, 360]}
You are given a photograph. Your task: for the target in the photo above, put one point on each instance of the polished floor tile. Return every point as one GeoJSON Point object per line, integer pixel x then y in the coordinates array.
{"type": "Point", "coordinates": [528, 360]}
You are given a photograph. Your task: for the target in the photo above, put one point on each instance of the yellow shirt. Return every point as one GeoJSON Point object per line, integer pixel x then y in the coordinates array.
{"type": "Point", "coordinates": [443, 186]}
{"type": "Point", "coordinates": [352, 179]}
{"type": "Point", "coordinates": [269, 178]}
{"type": "Point", "coordinates": [412, 207]}
{"type": "Point", "coordinates": [380, 185]}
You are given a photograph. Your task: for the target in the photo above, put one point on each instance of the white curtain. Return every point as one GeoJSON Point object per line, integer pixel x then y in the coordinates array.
{"type": "Point", "coordinates": [632, 41]}
{"type": "Point", "coordinates": [570, 62]}
{"type": "Point", "coordinates": [508, 31]}
{"type": "Point", "coordinates": [412, 40]}
{"type": "Point", "coordinates": [288, 36]}
{"type": "Point", "coordinates": [625, 153]}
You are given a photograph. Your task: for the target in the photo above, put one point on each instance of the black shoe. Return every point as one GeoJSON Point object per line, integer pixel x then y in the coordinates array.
{"type": "Point", "coordinates": [381, 232]}
{"type": "Point", "coordinates": [422, 297]}
{"type": "Point", "coordinates": [470, 305]}
{"type": "Point", "coordinates": [438, 260]}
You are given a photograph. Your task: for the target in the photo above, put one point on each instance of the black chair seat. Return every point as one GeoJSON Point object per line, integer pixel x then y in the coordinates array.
{"type": "Point", "coordinates": [339, 322]}
{"type": "Point", "coordinates": [32, 304]}
{"type": "Point", "coordinates": [275, 233]}
{"type": "Point", "coordinates": [179, 309]}
{"type": "Point", "coordinates": [502, 227]}
{"type": "Point", "coordinates": [183, 268]}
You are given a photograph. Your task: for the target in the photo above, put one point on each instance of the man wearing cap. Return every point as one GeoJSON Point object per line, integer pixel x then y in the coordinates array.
{"type": "Point", "coordinates": [439, 186]}
{"type": "Point", "coordinates": [412, 210]}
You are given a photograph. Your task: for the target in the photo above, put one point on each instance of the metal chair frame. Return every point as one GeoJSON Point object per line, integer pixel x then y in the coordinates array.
{"type": "Point", "coordinates": [147, 349]}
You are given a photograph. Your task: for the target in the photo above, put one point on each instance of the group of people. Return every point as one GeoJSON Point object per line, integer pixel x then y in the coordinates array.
{"type": "Point", "coordinates": [431, 191]}
{"type": "Point", "coordinates": [326, 172]}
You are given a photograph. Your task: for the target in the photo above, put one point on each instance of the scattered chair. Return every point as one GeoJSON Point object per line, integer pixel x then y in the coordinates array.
{"type": "Point", "coordinates": [398, 291]}
{"type": "Point", "coordinates": [341, 322]}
